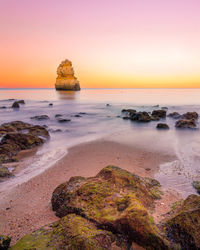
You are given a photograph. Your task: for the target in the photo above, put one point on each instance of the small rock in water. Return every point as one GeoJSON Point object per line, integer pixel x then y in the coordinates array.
{"type": "Point", "coordinates": [162, 126]}
{"type": "Point", "coordinates": [184, 123]}
{"type": "Point", "coordinates": [159, 113]}
{"type": "Point", "coordinates": [40, 117]}
{"type": "Point", "coordinates": [190, 115]}
{"type": "Point", "coordinates": [3, 107]}
{"type": "Point", "coordinates": [61, 120]}
{"type": "Point", "coordinates": [77, 116]}
{"type": "Point", "coordinates": [15, 105]}
{"type": "Point", "coordinates": [21, 102]}
{"type": "Point", "coordinates": [50, 104]}
{"type": "Point", "coordinates": [58, 115]}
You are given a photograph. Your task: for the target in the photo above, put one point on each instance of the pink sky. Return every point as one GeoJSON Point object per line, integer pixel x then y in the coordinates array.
{"type": "Point", "coordinates": [113, 43]}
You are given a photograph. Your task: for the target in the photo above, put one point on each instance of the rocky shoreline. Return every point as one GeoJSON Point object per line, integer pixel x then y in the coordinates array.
{"type": "Point", "coordinates": [114, 209]}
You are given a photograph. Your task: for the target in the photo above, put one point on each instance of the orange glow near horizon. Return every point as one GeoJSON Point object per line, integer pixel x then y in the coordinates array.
{"type": "Point", "coordinates": [117, 44]}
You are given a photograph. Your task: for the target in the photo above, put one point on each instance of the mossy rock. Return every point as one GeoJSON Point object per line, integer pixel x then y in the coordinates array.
{"type": "Point", "coordinates": [71, 232]}
{"type": "Point", "coordinates": [183, 225]}
{"type": "Point", "coordinates": [116, 200]}
{"type": "Point", "coordinates": [196, 185]}
{"type": "Point", "coordinates": [4, 172]}
{"type": "Point", "coordinates": [4, 242]}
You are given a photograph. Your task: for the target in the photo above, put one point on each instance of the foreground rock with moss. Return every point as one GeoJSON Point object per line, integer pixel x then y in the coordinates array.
{"type": "Point", "coordinates": [113, 210]}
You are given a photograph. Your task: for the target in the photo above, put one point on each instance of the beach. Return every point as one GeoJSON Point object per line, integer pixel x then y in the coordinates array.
{"type": "Point", "coordinates": [27, 207]}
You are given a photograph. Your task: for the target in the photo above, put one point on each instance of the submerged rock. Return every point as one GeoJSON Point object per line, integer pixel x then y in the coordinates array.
{"type": "Point", "coordinates": [115, 200]}
{"type": "Point", "coordinates": [196, 185]}
{"type": "Point", "coordinates": [183, 123]}
{"type": "Point", "coordinates": [183, 226]}
{"type": "Point", "coordinates": [66, 79]}
{"type": "Point", "coordinates": [4, 242]}
{"type": "Point", "coordinates": [162, 126]}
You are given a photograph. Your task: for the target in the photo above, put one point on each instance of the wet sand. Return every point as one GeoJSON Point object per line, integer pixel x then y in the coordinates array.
{"type": "Point", "coordinates": [27, 207]}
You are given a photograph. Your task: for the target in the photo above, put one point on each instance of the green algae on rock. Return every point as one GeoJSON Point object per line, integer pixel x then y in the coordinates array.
{"type": "Point", "coordinates": [71, 232]}
{"type": "Point", "coordinates": [183, 225]}
{"type": "Point", "coordinates": [115, 200]}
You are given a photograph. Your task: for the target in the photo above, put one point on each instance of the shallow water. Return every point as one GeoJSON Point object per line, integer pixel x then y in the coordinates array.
{"type": "Point", "coordinates": [99, 120]}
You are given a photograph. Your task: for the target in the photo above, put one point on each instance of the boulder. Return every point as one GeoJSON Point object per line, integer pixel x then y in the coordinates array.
{"type": "Point", "coordinates": [116, 201]}
{"type": "Point", "coordinates": [71, 232]}
{"type": "Point", "coordinates": [162, 126]}
{"type": "Point", "coordinates": [4, 242]}
{"type": "Point", "coordinates": [183, 224]}
{"type": "Point", "coordinates": [17, 136]}
{"type": "Point", "coordinates": [159, 113]}
{"type": "Point", "coordinates": [58, 115]}
{"type": "Point", "coordinates": [190, 115]}
{"type": "Point", "coordinates": [15, 105]}
{"type": "Point", "coordinates": [174, 115]}
{"type": "Point", "coordinates": [66, 79]}
{"type": "Point", "coordinates": [40, 117]}
{"type": "Point", "coordinates": [196, 185]}
{"type": "Point", "coordinates": [183, 123]}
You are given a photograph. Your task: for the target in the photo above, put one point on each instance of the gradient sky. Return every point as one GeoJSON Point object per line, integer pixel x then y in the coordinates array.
{"type": "Point", "coordinates": [112, 43]}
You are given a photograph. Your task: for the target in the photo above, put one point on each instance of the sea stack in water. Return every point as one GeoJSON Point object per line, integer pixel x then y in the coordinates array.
{"type": "Point", "coordinates": [66, 79]}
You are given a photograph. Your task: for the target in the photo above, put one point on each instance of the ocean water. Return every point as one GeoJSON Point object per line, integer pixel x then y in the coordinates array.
{"type": "Point", "coordinates": [99, 115]}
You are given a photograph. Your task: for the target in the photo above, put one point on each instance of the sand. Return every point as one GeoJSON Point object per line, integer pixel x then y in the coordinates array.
{"type": "Point", "coordinates": [27, 207]}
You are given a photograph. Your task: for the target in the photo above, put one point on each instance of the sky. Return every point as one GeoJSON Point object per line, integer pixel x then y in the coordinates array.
{"type": "Point", "coordinates": [111, 43]}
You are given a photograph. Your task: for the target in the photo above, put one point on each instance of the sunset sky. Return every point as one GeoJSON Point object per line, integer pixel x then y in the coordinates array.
{"type": "Point", "coordinates": [111, 43]}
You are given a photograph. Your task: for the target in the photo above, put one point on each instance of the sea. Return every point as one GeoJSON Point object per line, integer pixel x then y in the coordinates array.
{"type": "Point", "coordinates": [96, 113]}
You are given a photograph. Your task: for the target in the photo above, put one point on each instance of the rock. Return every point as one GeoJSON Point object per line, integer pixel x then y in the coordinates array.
{"type": "Point", "coordinates": [141, 117]}
{"type": "Point", "coordinates": [116, 201]}
{"type": "Point", "coordinates": [165, 108]}
{"type": "Point", "coordinates": [190, 115]}
{"type": "Point", "coordinates": [61, 120]}
{"type": "Point", "coordinates": [17, 136]}
{"type": "Point", "coordinates": [159, 113]}
{"type": "Point", "coordinates": [77, 116]}
{"type": "Point", "coordinates": [58, 115]}
{"type": "Point", "coordinates": [4, 242]}
{"type": "Point", "coordinates": [183, 225]}
{"type": "Point", "coordinates": [129, 111]}
{"type": "Point", "coordinates": [71, 232]}
{"type": "Point", "coordinates": [66, 79]}
{"type": "Point", "coordinates": [39, 131]}
{"type": "Point", "coordinates": [174, 115]}
{"type": "Point", "coordinates": [108, 105]}
{"type": "Point", "coordinates": [4, 172]}
{"type": "Point", "coordinates": [21, 102]}
{"type": "Point", "coordinates": [183, 123]}
{"type": "Point", "coordinates": [162, 126]}
{"type": "Point", "coordinates": [196, 185]}
{"type": "Point", "coordinates": [3, 107]}
{"type": "Point", "coordinates": [40, 117]}
{"type": "Point", "coordinates": [15, 105]}
{"type": "Point", "coordinates": [50, 104]}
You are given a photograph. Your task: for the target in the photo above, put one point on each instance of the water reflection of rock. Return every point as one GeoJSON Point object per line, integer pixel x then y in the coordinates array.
{"type": "Point", "coordinates": [66, 95]}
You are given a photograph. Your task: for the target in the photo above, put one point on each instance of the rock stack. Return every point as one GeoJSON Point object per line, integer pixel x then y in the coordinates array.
{"type": "Point", "coordinates": [66, 79]}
